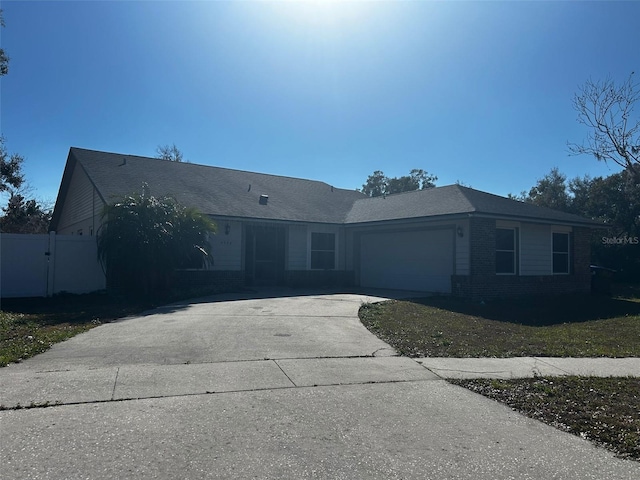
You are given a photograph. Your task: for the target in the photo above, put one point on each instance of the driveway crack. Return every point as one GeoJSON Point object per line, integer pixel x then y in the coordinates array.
{"type": "Point", "coordinates": [285, 373]}
{"type": "Point", "coordinates": [115, 382]}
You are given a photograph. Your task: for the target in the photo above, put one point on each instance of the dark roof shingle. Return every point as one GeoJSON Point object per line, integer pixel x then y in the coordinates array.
{"type": "Point", "coordinates": [217, 191]}
{"type": "Point", "coordinates": [235, 193]}
{"type": "Point", "coordinates": [452, 200]}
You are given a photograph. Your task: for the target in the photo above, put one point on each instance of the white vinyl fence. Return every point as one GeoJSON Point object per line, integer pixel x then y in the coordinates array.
{"type": "Point", "coordinates": [43, 265]}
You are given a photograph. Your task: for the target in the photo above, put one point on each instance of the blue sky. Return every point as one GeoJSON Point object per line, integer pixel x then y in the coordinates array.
{"type": "Point", "coordinates": [477, 92]}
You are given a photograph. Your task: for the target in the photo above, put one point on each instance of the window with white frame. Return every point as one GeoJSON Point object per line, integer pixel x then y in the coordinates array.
{"type": "Point", "coordinates": [323, 251]}
{"type": "Point", "coordinates": [506, 251]}
{"type": "Point", "coordinates": [560, 250]}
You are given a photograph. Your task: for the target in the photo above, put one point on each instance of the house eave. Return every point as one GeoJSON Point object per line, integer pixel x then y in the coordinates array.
{"type": "Point", "coordinates": [273, 221]}
{"type": "Point", "coordinates": [397, 221]}
{"type": "Point", "coordinates": [520, 218]}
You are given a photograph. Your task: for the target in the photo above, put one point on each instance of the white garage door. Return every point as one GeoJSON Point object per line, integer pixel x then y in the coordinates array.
{"type": "Point", "coordinates": [418, 260]}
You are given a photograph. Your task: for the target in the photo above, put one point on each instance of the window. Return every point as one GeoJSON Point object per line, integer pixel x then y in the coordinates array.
{"type": "Point", "coordinates": [560, 252]}
{"type": "Point", "coordinates": [323, 251]}
{"type": "Point", "coordinates": [506, 251]}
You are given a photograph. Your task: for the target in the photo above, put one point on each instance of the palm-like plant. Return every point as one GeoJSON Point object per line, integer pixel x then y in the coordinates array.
{"type": "Point", "coordinates": [143, 239]}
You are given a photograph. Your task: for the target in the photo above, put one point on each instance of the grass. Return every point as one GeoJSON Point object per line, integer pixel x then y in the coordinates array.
{"type": "Point", "coordinates": [569, 326]}
{"type": "Point", "coordinates": [605, 411]}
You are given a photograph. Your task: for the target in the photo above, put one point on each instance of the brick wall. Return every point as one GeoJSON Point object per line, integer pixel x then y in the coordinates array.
{"type": "Point", "coordinates": [232, 280]}
{"type": "Point", "coordinates": [483, 283]}
{"type": "Point", "coordinates": [218, 280]}
{"type": "Point", "coordinates": [319, 278]}
{"type": "Point", "coordinates": [482, 249]}
{"type": "Point", "coordinates": [581, 251]}
{"type": "Point", "coordinates": [498, 286]}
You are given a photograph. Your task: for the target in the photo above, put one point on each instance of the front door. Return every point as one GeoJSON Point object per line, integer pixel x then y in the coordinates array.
{"type": "Point", "coordinates": [264, 255]}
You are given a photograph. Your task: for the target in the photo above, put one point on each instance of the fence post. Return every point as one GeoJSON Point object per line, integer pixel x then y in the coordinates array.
{"type": "Point", "coordinates": [51, 264]}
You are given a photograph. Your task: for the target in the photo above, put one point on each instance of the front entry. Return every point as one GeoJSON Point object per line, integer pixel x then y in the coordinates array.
{"type": "Point", "coordinates": [264, 255]}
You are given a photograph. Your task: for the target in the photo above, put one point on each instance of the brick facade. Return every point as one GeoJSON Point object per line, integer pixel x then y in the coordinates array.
{"type": "Point", "coordinates": [319, 278]}
{"type": "Point", "coordinates": [218, 280]}
{"type": "Point", "coordinates": [483, 283]}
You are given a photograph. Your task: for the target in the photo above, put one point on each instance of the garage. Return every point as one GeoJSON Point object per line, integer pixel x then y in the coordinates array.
{"type": "Point", "coordinates": [413, 260]}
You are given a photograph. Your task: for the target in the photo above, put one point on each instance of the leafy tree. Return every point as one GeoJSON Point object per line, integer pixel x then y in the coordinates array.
{"type": "Point", "coordinates": [24, 216]}
{"type": "Point", "coordinates": [11, 175]}
{"type": "Point", "coordinates": [378, 184]}
{"type": "Point", "coordinates": [169, 152]}
{"type": "Point", "coordinates": [4, 59]}
{"type": "Point", "coordinates": [607, 110]}
{"type": "Point", "coordinates": [551, 191]}
{"type": "Point", "coordinates": [143, 239]}
{"type": "Point", "coordinates": [614, 200]}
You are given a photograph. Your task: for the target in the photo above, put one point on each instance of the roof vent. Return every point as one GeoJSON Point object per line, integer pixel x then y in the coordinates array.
{"type": "Point", "coordinates": [264, 199]}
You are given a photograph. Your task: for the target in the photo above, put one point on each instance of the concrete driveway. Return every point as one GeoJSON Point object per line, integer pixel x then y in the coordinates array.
{"type": "Point", "coordinates": [289, 385]}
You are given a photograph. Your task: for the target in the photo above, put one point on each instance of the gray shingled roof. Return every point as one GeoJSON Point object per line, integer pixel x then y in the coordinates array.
{"type": "Point", "coordinates": [216, 191]}
{"type": "Point", "coordinates": [452, 200]}
{"type": "Point", "coordinates": [235, 193]}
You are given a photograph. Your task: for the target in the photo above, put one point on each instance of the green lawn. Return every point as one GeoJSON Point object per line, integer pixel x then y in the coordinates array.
{"type": "Point", "coordinates": [570, 326]}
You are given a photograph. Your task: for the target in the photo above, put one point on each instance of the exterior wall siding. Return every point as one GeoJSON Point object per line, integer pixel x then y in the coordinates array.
{"type": "Point", "coordinates": [535, 248]}
{"type": "Point", "coordinates": [483, 283]}
{"type": "Point", "coordinates": [82, 207]}
{"type": "Point", "coordinates": [227, 248]}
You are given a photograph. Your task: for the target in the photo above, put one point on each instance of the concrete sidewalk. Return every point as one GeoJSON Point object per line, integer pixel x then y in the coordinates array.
{"type": "Point", "coordinates": [127, 382]}
{"type": "Point", "coordinates": [528, 367]}
{"type": "Point", "coordinates": [288, 385]}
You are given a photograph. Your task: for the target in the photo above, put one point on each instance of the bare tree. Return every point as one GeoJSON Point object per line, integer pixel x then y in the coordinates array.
{"type": "Point", "coordinates": [607, 109]}
{"type": "Point", "coordinates": [169, 152]}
